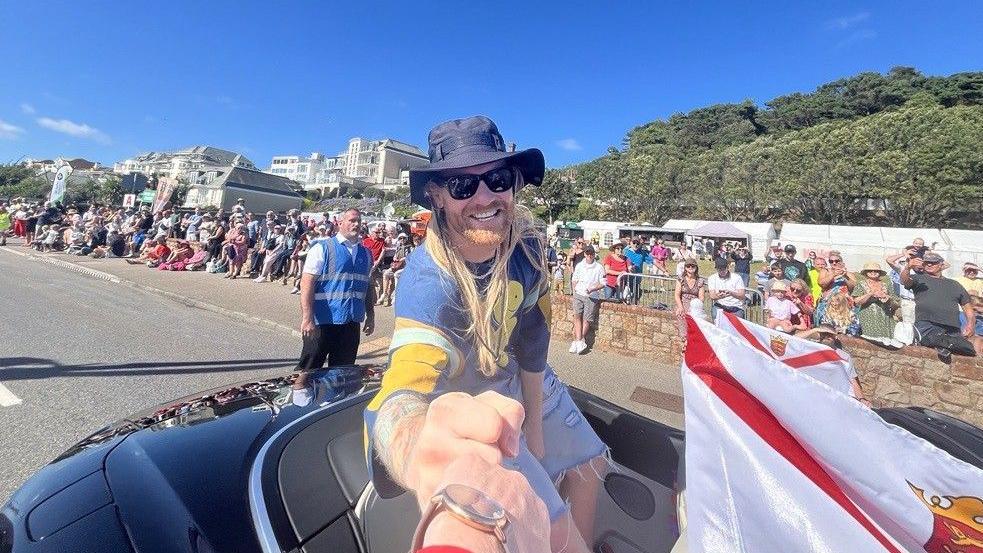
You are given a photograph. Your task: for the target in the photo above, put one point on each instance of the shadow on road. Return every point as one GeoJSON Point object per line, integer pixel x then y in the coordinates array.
{"type": "Point", "coordinates": [34, 368]}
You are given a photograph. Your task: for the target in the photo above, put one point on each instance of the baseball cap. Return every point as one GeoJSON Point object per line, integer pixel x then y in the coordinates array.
{"type": "Point", "coordinates": [789, 248]}
{"type": "Point", "coordinates": [932, 258]}
{"type": "Point", "coordinates": [589, 249]}
{"type": "Point", "coordinates": [720, 263]}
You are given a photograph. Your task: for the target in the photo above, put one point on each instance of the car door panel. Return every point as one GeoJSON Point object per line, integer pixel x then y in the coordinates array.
{"type": "Point", "coordinates": [636, 506]}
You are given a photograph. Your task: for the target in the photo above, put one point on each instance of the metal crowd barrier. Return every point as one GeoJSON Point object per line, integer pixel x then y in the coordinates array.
{"type": "Point", "coordinates": [659, 292]}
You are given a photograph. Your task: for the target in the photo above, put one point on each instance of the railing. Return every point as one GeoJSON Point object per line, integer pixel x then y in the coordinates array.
{"type": "Point", "coordinates": [659, 292]}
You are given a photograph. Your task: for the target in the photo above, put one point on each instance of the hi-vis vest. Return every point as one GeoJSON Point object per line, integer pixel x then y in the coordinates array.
{"type": "Point", "coordinates": [339, 294]}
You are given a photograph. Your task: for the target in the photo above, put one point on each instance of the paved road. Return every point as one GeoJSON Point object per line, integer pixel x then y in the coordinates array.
{"type": "Point", "coordinates": [80, 352]}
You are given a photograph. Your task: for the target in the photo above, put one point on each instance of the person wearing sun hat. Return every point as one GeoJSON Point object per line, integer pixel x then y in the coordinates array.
{"type": "Point", "coordinates": [472, 316]}
{"type": "Point", "coordinates": [971, 280]}
{"type": "Point", "coordinates": [875, 306]}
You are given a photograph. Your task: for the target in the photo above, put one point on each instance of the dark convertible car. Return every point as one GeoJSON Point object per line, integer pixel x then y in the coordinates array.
{"type": "Point", "coordinates": [245, 469]}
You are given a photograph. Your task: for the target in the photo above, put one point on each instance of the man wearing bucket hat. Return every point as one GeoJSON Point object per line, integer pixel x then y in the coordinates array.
{"type": "Point", "coordinates": [938, 301]}
{"type": "Point", "coordinates": [472, 317]}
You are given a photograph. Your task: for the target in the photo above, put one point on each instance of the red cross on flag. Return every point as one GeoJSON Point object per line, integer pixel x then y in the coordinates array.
{"type": "Point", "coordinates": [777, 461]}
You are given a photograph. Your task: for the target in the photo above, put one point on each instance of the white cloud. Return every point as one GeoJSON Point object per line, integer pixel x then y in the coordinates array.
{"type": "Point", "coordinates": [27, 108]}
{"type": "Point", "coordinates": [9, 131]}
{"type": "Point", "coordinates": [71, 128]}
{"type": "Point", "coordinates": [569, 144]}
{"type": "Point", "coordinates": [848, 21]}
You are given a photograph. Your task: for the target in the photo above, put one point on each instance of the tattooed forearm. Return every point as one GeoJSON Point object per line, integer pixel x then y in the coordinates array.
{"type": "Point", "coordinates": [396, 428]}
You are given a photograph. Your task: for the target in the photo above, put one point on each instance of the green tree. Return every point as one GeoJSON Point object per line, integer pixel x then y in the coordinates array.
{"type": "Point", "coordinates": [552, 197]}
{"type": "Point", "coordinates": [18, 181]}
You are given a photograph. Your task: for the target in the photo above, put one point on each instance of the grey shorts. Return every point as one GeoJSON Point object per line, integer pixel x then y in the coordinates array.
{"type": "Point", "coordinates": [569, 441]}
{"type": "Point", "coordinates": [587, 307]}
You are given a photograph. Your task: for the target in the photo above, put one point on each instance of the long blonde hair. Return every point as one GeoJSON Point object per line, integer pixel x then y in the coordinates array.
{"type": "Point", "coordinates": [479, 309]}
{"type": "Point", "coordinates": [838, 310]}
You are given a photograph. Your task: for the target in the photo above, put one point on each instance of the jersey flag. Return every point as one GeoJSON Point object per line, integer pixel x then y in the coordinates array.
{"type": "Point", "coordinates": [778, 461]}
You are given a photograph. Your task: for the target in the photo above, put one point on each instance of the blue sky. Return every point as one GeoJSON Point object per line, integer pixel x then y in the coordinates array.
{"type": "Point", "coordinates": [107, 80]}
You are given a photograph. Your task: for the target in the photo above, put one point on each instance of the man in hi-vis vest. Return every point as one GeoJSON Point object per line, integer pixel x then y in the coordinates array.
{"type": "Point", "coordinates": [335, 297]}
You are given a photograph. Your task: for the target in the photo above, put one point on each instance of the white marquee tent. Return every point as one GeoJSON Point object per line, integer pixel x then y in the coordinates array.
{"type": "Point", "coordinates": [605, 232]}
{"type": "Point", "coordinates": [964, 246]}
{"type": "Point", "coordinates": [761, 234]}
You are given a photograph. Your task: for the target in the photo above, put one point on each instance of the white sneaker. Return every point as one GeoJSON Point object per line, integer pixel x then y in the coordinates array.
{"type": "Point", "coordinates": [259, 279]}
{"type": "Point", "coordinates": [295, 290]}
{"type": "Point", "coordinates": [581, 347]}
{"type": "Point", "coordinates": [573, 346]}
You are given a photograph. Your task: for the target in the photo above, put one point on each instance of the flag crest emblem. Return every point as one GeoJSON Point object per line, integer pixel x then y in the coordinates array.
{"type": "Point", "coordinates": [958, 523]}
{"type": "Point", "coordinates": [778, 344]}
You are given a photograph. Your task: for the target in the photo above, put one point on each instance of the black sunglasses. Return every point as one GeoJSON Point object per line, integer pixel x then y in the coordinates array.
{"type": "Point", "coordinates": [462, 187]}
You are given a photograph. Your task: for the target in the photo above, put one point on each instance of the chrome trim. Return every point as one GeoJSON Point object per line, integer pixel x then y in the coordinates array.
{"type": "Point", "coordinates": [257, 505]}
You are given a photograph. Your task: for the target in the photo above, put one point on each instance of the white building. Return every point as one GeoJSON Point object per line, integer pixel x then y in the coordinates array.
{"type": "Point", "coordinates": [223, 186]}
{"type": "Point", "coordinates": [178, 163]}
{"type": "Point", "coordinates": [301, 169]}
{"type": "Point", "coordinates": [381, 164]}
{"type": "Point", "coordinates": [52, 165]}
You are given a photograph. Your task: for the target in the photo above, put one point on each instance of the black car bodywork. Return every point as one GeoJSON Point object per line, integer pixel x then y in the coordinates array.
{"type": "Point", "coordinates": [244, 469]}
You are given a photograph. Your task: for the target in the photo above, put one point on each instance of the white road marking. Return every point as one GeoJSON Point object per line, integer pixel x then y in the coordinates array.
{"type": "Point", "coordinates": [7, 398]}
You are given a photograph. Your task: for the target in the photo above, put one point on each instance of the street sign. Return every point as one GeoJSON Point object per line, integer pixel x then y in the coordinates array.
{"type": "Point", "coordinates": [147, 196]}
{"type": "Point", "coordinates": [129, 200]}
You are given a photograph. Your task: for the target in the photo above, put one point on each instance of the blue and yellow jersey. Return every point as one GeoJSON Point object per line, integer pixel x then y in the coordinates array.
{"type": "Point", "coordinates": [430, 354]}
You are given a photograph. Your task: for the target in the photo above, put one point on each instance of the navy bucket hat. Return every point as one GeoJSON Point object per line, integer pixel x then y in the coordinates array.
{"type": "Point", "coordinates": [468, 142]}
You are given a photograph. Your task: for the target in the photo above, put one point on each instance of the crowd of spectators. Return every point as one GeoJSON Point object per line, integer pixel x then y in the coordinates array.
{"type": "Point", "coordinates": [910, 302]}
{"type": "Point", "coordinates": [269, 247]}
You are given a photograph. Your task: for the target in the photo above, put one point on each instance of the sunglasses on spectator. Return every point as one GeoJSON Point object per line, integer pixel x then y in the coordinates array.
{"type": "Point", "coordinates": [831, 260]}
{"type": "Point", "coordinates": [931, 262]}
{"type": "Point", "coordinates": [462, 187]}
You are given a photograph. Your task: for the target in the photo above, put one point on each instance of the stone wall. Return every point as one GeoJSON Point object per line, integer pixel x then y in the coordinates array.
{"type": "Point", "coordinates": [912, 375]}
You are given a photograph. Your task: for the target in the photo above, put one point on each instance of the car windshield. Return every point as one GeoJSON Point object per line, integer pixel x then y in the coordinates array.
{"type": "Point", "coordinates": [221, 223]}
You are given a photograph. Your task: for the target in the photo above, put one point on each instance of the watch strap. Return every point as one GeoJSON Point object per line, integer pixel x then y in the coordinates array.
{"type": "Point", "coordinates": [433, 508]}
{"type": "Point", "coordinates": [504, 532]}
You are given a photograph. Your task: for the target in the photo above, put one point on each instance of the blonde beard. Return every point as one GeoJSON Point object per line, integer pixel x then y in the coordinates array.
{"type": "Point", "coordinates": [482, 237]}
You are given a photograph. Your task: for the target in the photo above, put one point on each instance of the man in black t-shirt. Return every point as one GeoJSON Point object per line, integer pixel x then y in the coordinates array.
{"type": "Point", "coordinates": [793, 268]}
{"type": "Point", "coordinates": [938, 301]}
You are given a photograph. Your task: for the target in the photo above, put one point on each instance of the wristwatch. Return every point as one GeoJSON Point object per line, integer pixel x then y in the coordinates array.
{"type": "Point", "coordinates": [472, 507]}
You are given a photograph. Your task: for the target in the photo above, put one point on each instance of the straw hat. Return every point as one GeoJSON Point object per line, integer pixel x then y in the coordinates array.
{"type": "Point", "coordinates": [871, 267]}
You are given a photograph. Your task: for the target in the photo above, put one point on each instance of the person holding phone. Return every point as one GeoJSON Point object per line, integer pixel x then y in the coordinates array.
{"type": "Point", "coordinates": [726, 290]}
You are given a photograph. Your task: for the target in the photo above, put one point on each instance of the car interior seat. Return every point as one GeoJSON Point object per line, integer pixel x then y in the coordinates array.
{"type": "Point", "coordinates": [387, 525]}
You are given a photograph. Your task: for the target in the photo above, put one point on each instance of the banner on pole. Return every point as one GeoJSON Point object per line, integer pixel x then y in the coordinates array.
{"type": "Point", "coordinates": [60, 182]}
{"type": "Point", "coordinates": [129, 200]}
{"type": "Point", "coordinates": [165, 188]}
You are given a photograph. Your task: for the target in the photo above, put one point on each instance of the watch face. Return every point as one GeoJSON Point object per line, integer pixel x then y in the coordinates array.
{"type": "Point", "coordinates": [475, 503]}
